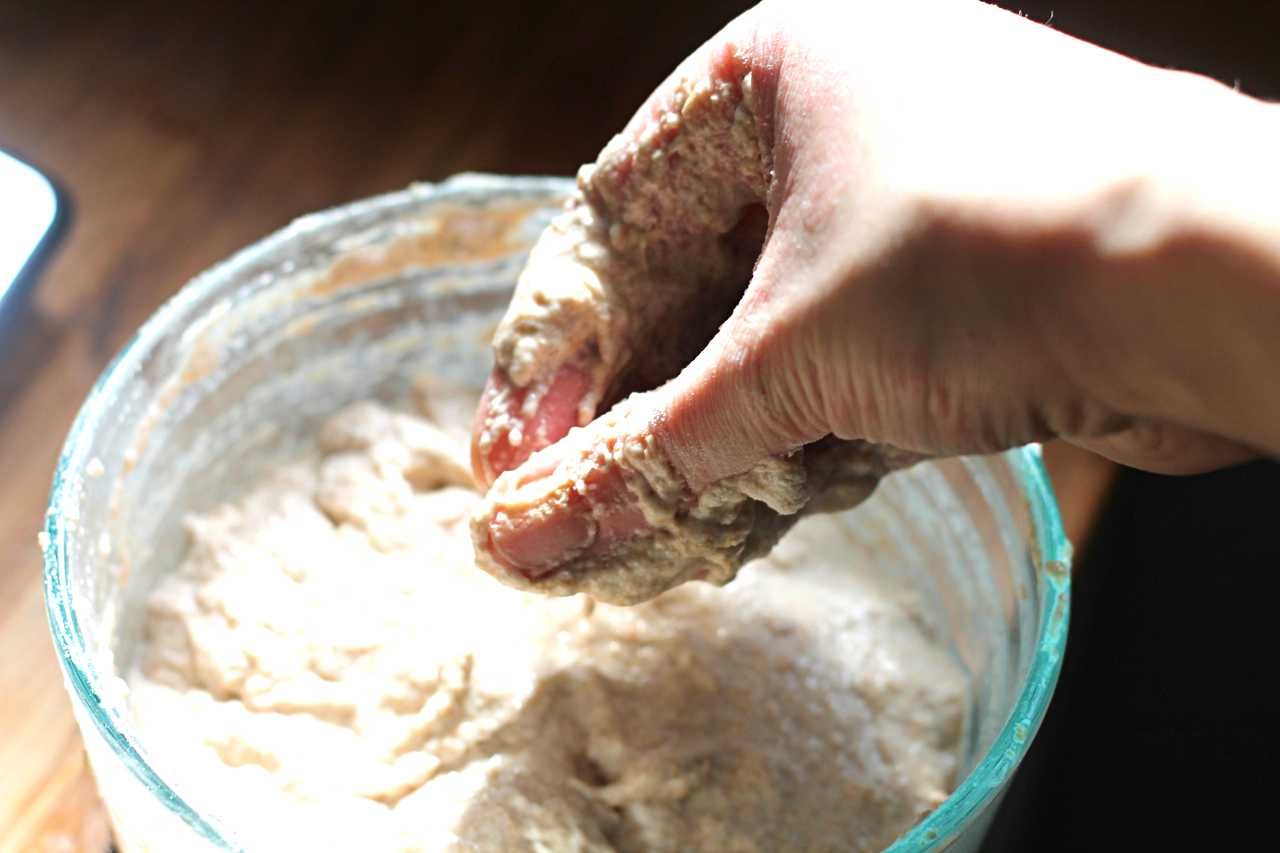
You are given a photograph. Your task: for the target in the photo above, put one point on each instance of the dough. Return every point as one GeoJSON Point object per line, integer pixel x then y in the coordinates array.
{"type": "Point", "coordinates": [328, 671]}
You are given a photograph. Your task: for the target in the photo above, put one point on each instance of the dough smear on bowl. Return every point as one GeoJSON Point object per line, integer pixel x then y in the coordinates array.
{"type": "Point", "coordinates": [327, 670]}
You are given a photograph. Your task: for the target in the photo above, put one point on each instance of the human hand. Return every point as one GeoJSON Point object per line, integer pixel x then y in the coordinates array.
{"type": "Point", "coordinates": [980, 233]}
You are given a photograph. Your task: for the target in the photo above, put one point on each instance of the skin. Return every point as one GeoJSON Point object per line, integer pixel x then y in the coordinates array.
{"type": "Point", "coordinates": [981, 233]}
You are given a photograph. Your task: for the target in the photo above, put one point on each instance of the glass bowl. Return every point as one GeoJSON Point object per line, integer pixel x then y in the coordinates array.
{"type": "Point", "coordinates": [240, 368]}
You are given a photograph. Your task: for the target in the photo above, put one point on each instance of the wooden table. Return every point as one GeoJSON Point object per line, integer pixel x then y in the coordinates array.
{"type": "Point", "coordinates": [181, 133]}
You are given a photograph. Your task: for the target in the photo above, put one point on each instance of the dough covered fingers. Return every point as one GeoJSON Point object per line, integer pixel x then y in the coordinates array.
{"type": "Point", "coordinates": [633, 279]}
{"type": "Point", "coordinates": [606, 513]}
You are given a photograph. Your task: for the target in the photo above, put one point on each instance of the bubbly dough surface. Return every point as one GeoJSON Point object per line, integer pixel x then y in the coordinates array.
{"type": "Point", "coordinates": [328, 671]}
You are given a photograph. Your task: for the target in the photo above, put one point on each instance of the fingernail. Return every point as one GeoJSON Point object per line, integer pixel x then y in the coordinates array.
{"type": "Point", "coordinates": [538, 540]}
{"type": "Point", "coordinates": [510, 434]}
{"type": "Point", "coordinates": [557, 411]}
{"type": "Point", "coordinates": [543, 463]}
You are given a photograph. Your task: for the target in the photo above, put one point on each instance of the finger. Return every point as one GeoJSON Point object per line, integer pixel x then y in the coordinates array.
{"type": "Point", "coordinates": [546, 525]}
{"type": "Point", "coordinates": [537, 531]}
{"type": "Point", "coordinates": [606, 512]}
{"type": "Point", "coordinates": [1165, 448]}
{"type": "Point", "coordinates": [650, 255]}
{"type": "Point", "coordinates": [512, 423]}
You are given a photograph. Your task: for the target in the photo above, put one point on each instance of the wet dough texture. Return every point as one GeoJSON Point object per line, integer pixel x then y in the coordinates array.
{"type": "Point", "coordinates": [328, 671]}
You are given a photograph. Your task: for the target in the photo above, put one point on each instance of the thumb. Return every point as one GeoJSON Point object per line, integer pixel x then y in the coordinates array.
{"type": "Point", "coordinates": [687, 482]}
{"type": "Point", "coordinates": [747, 399]}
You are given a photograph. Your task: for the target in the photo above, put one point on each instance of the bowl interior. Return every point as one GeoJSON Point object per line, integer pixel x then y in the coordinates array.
{"type": "Point", "coordinates": [238, 371]}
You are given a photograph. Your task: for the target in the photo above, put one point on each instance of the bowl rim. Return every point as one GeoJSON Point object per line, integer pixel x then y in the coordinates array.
{"type": "Point", "coordinates": [1051, 549]}
{"type": "Point", "coordinates": [1051, 553]}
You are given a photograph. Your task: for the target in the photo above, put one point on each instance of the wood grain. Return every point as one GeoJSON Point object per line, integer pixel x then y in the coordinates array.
{"type": "Point", "coordinates": [180, 132]}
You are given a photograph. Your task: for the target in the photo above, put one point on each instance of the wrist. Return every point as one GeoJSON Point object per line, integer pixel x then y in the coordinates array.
{"type": "Point", "coordinates": [1179, 318]}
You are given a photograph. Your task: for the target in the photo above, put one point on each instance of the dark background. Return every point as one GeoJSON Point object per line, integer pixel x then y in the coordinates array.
{"type": "Point", "coordinates": [180, 132]}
